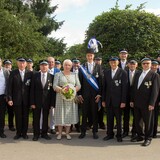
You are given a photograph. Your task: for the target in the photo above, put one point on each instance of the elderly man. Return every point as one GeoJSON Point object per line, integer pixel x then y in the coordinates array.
{"type": "Point", "coordinates": [18, 96]}
{"type": "Point", "coordinates": [41, 99]}
{"type": "Point", "coordinates": [144, 95]}
{"type": "Point", "coordinates": [4, 75]}
{"type": "Point", "coordinates": [114, 97]}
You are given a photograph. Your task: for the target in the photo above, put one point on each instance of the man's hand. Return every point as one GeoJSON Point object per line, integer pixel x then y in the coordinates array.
{"type": "Point", "coordinates": [10, 103]}
{"type": "Point", "coordinates": [103, 104]}
{"type": "Point", "coordinates": [132, 104]}
{"type": "Point", "coordinates": [80, 98]}
{"type": "Point", "coordinates": [97, 98]}
{"type": "Point", "coordinates": [123, 105]}
{"type": "Point", "coordinates": [33, 106]}
{"type": "Point", "coordinates": [150, 108]}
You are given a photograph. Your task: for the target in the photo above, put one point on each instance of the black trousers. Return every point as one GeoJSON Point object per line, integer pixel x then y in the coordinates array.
{"type": "Point", "coordinates": [10, 111]}
{"type": "Point", "coordinates": [2, 112]}
{"type": "Point", "coordinates": [36, 121]}
{"type": "Point", "coordinates": [156, 113]}
{"type": "Point", "coordinates": [79, 112]}
{"type": "Point", "coordinates": [89, 107]}
{"type": "Point", "coordinates": [111, 113]}
{"type": "Point", "coordinates": [148, 119]}
{"type": "Point", "coordinates": [100, 117]}
{"type": "Point", "coordinates": [21, 119]}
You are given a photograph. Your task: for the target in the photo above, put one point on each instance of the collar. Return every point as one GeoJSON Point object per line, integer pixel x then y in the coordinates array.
{"type": "Point", "coordinates": [115, 70]}
{"type": "Point", "coordinates": [44, 73]}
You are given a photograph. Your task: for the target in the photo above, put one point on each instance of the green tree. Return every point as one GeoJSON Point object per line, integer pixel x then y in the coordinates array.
{"type": "Point", "coordinates": [136, 30]}
{"type": "Point", "coordinates": [45, 13]}
{"type": "Point", "coordinates": [18, 33]}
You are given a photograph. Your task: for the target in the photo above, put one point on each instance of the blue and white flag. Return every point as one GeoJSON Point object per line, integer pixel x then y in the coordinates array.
{"type": "Point", "coordinates": [93, 44]}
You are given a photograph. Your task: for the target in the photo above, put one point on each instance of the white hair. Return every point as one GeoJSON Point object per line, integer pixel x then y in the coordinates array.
{"type": "Point", "coordinates": [67, 61]}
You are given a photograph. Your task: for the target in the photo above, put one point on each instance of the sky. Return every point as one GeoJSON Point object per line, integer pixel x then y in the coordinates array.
{"type": "Point", "coordinates": [78, 14]}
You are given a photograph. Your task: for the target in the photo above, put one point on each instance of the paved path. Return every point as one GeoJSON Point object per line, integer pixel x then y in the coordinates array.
{"type": "Point", "coordinates": [76, 149]}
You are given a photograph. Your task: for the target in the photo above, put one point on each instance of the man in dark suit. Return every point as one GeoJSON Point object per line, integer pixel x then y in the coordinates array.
{"type": "Point", "coordinates": [144, 95]}
{"type": "Point", "coordinates": [41, 99]}
{"type": "Point", "coordinates": [114, 97]}
{"type": "Point", "coordinates": [90, 76]}
{"type": "Point", "coordinates": [75, 69]}
{"type": "Point", "coordinates": [18, 96]}
{"type": "Point", "coordinates": [4, 75]}
{"type": "Point", "coordinates": [8, 65]}
{"type": "Point", "coordinates": [98, 60]}
{"type": "Point", "coordinates": [155, 68]}
{"type": "Point", "coordinates": [131, 72]}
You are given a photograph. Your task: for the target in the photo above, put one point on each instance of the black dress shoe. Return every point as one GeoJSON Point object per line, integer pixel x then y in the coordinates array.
{"type": "Point", "coordinates": [102, 127]}
{"type": "Point", "coordinates": [17, 137]}
{"type": "Point", "coordinates": [137, 139]}
{"type": "Point", "coordinates": [2, 135]}
{"type": "Point", "coordinates": [25, 136]}
{"type": "Point", "coordinates": [46, 137]}
{"type": "Point", "coordinates": [35, 138]}
{"type": "Point", "coordinates": [146, 143]}
{"type": "Point", "coordinates": [82, 135]}
{"type": "Point", "coordinates": [108, 138]}
{"type": "Point", "coordinates": [119, 139]}
{"type": "Point", "coordinates": [53, 131]}
{"type": "Point", "coordinates": [12, 129]}
{"type": "Point", "coordinates": [125, 134]}
{"type": "Point", "coordinates": [154, 136]}
{"type": "Point", "coordinates": [95, 136]}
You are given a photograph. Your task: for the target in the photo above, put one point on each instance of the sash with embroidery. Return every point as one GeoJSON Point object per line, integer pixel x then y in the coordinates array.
{"type": "Point", "coordinates": [89, 77]}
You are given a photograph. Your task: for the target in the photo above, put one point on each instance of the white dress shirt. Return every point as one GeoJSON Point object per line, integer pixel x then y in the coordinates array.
{"type": "Point", "coordinates": [114, 72]}
{"type": "Point", "coordinates": [22, 74]}
{"type": "Point", "coordinates": [123, 64]}
{"type": "Point", "coordinates": [2, 82]}
{"type": "Point", "coordinates": [90, 67]}
{"type": "Point", "coordinates": [142, 76]}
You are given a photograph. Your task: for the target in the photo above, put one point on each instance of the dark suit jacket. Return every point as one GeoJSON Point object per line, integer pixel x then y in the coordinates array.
{"type": "Point", "coordinates": [114, 90]}
{"type": "Point", "coordinates": [39, 96]}
{"type": "Point", "coordinates": [86, 88]}
{"type": "Point", "coordinates": [146, 95]}
{"type": "Point", "coordinates": [129, 86]}
{"type": "Point", "coordinates": [19, 91]}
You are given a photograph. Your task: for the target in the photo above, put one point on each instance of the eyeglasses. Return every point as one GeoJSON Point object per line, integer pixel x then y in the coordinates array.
{"type": "Point", "coordinates": [145, 63]}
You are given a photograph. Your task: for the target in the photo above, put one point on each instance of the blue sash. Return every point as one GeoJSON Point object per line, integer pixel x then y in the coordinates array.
{"type": "Point", "coordinates": [89, 77]}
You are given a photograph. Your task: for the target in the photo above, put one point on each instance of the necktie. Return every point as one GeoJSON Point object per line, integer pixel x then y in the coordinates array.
{"type": "Point", "coordinates": [113, 73]}
{"type": "Point", "coordinates": [131, 77]}
{"type": "Point", "coordinates": [22, 75]}
{"type": "Point", "coordinates": [43, 80]}
{"type": "Point", "coordinates": [141, 79]}
{"type": "Point", "coordinates": [90, 68]}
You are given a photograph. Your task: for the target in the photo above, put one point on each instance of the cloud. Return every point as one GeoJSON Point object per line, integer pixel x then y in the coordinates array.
{"type": "Point", "coordinates": [71, 34]}
{"type": "Point", "coordinates": [64, 5]}
{"type": "Point", "coordinates": [155, 11]}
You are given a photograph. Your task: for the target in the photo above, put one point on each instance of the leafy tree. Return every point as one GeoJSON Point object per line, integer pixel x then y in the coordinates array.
{"type": "Point", "coordinates": [136, 30]}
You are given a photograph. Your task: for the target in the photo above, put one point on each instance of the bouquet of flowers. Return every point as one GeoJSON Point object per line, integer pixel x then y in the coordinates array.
{"type": "Point", "coordinates": [68, 92]}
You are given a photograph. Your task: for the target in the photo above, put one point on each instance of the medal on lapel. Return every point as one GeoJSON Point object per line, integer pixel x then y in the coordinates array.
{"type": "Point", "coordinates": [97, 75]}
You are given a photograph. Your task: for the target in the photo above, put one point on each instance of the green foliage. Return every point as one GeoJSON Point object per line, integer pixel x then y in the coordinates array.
{"type": "Point", "coordinates": [135, 30]}
{"type": "Point", "coordinates": [24, 27]}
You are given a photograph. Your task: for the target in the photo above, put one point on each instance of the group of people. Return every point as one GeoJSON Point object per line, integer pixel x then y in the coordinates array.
{"type": "Point", "coordinates": [121, 88]}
